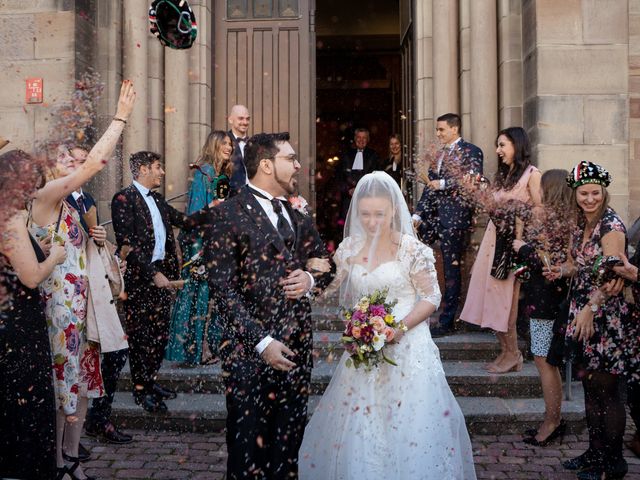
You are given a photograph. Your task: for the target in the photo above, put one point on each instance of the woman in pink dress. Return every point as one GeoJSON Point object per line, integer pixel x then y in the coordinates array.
{"type": "Point", "coordinates": [492, 302]}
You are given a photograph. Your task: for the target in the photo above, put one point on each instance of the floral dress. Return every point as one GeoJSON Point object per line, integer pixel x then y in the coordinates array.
{"type": "Point", "coordinates": [76, 362]}
{"type": "Point", "coordinates": [606, 349]}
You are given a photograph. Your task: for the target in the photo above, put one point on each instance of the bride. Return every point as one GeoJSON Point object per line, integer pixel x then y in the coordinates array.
{"type": "Point", "coordinates": [392, 422]}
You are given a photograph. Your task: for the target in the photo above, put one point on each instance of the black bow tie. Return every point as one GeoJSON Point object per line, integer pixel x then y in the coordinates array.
{"type": "Point", "coordinates": [243, 139]}
{"type": "Point", "coordinates": [150, 193]}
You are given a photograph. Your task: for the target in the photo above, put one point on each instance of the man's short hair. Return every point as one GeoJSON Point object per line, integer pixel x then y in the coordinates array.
{"type": "Point", "coordinates": [452, 119]}
{"type": "Point", "coordinates": [361, 130]}
{"type": "Point", "coordinates": [139, 159]}
{"type": "Point", "coordinates": [259, 147]}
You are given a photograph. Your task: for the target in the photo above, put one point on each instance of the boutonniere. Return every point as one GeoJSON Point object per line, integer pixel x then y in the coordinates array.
{"type": "Point", "coordinates": [299, 204]}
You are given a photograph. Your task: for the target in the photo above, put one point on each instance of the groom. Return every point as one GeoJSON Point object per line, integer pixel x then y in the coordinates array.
{"type": "Point", "coordinates": [257, 248]}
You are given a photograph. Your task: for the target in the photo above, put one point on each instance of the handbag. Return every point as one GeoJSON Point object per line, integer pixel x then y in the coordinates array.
{"type": "Point", "coordinates": [560, 350]}
{"type": "Point", "coordinates": [112, 268]}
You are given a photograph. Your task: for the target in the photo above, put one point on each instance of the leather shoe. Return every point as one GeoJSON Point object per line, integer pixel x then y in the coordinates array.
{"type": "Point", "coordinates": [84, 455]}
{"type": "Point", "coordinates": [581, 462]}
{"type": "Point", "coordinates": [109, 433]}
{"type": "Point", "coordinates": [163, 392]}
{"type": "Point", "coordinates": [150, 403]}
{"type": "Point", "coordinates": [440, 331]}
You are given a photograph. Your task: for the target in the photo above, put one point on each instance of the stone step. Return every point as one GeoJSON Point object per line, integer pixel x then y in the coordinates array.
{"type": "Point", "coordinates": [458, 346]}
{"type": "Point", "coordinates": [466, 378]}
{"type": "Point", "coordinates": [201, 412]}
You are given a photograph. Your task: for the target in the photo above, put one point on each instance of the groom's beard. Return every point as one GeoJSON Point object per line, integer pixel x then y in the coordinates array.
{"type": "Point", "coordinates": [286, 186]}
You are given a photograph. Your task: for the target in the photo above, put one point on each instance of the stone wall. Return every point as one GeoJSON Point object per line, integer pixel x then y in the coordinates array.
{"type": "Point", "coordinates": [634, 110]}
{"type": "Point", "coordinates": [576, 75]}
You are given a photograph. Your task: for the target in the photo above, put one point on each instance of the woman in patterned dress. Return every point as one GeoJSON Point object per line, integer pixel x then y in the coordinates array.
{"type": "Point", "coordinates": [194, 334]}
{"type": "Point", "coordinates": [76, 363]}
{"type": "Point", "coordinates": [595, 323]}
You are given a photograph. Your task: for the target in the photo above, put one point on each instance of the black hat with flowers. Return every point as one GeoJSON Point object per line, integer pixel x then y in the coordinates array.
{"type": "Point", "coordinates": [173, 22]}
{"type": "Point", "coordinates": [588, 172]}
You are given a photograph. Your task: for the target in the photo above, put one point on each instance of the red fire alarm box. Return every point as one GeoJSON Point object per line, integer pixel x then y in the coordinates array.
{"type": "Point", "coordinates": [35, 91]}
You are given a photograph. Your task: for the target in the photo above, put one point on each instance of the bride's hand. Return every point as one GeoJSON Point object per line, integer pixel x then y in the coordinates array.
{"type": "Point", "coordinates": [398, 334]}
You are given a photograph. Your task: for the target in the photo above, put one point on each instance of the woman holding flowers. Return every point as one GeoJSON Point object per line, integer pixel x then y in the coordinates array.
{"type": "Point", "coordinates": [388, 411]}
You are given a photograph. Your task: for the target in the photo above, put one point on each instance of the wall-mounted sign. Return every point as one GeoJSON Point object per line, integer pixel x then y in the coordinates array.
{"type": "Point", "coordinates": [35, 91]}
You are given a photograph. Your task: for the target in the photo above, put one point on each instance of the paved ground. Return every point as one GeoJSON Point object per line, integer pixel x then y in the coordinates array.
{"type": "Point", "coordinates": [169, 455]}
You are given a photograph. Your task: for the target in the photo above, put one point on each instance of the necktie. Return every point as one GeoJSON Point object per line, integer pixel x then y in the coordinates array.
{"type": "Point", "coordinates": [81, 205]}
{"type": "Point", "coordinates": [283, 227]}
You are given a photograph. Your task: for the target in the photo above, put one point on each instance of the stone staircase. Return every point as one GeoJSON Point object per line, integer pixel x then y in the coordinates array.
{"type": "Point", "coordinates": [492, 404]}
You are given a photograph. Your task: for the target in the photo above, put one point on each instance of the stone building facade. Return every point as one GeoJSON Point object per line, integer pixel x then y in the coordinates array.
{"type": "Point", "coordinates": [568, 71]}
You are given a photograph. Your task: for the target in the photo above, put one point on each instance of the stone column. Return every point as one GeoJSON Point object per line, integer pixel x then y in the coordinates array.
{"type": "Point", "coordinates": [424, 74]}
{"type": "Point", "coordinates": [484, 78]}
{"type": "Point", "coordinates": [445, 57]}
{"type": "Point", "coordinates": [176, 140]}
{"type": "Point", "coordinates": [156, 97]}
{"type": "Point", "coordinates": [464, 72]}
{"type": "Point", "coordinates": [510, 61]}
{"type": "Point", "coordinates": [135, 54]}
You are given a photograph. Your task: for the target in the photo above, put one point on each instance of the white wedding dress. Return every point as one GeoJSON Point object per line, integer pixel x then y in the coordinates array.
{"type": "Point", "coordinates": [393, 422]}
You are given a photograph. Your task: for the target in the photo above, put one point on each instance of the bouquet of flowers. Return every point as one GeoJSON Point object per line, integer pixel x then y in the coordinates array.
{"type": "Point", "coordinates": [370, 325]}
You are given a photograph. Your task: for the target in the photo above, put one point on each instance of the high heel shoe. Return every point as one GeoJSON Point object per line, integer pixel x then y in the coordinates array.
{"type": "Point", "coordinates": [69, 469]}
{"type": "Point", "coordinates": [559, 431]}
{"type": "Point", "coordinates": [516, 367]}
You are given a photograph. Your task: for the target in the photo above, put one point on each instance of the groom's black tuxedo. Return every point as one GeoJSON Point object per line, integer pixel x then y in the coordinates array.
{"type": "Point", "coordinates": [266, 409]}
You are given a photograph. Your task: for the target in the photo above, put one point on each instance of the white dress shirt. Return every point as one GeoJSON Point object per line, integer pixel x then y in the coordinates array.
{"type": "Point", "coordinates": [266, 205]}
{"type": "Point", "coordinates": [159, 232]}
{"type": "Point", "coordinates": [358, 162]}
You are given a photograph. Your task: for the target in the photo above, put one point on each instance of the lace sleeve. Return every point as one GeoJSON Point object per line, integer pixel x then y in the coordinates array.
{"type": "Point", "coordinates": [344, 251]}
{"type": "Point", "coordinates": [423, 272]}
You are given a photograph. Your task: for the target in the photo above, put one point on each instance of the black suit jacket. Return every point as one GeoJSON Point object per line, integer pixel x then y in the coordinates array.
{"type": "Point", "coordinates": [246, 258]}
{"type": "Point", "coordinates": [88, 201]}
{"type": "Point", "coordinates": [133, 226]}
{"type": "Point", "coordinates": [448, 208]}
{"type": "Point", "coordinates": [348, 178]}
{"type": "Point", "coordinates": [239, 174]}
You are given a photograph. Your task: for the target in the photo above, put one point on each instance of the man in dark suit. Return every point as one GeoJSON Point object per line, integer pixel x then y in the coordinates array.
{"type": "Point", "coordinates": [142, 221]}
{"type": "Point", "coordinates": [354, 165]}
{"type": "Point", "coordinates": [239, 119]}
{"type": "Point", "coordinates": [98, 422]}
{"type": "Point", "coordinates": [256, 248]}
{"type": "Point", "coordinates": [443, 213]}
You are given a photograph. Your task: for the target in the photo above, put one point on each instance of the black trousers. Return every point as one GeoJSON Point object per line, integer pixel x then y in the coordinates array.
{"type": "Point", "coordinates": [147, 319]}
{"type": "Point", "coordinates": [266, 416]}
{"type": "Point", "coordinates": [453, 243]}
{"type": "Point", "coordinates": [111, 365]}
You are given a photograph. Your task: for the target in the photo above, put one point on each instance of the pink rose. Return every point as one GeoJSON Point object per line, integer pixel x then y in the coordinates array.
{"type": "Point", "coordinates": [389, 333]}
{"type": "Point", "coordinates": [355, 332]}
{"type": "Point", "coordinates": [377, 323]}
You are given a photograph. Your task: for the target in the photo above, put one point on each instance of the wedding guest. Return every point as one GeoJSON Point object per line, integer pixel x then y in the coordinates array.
{"type": "Point", "coordinates": [27, 412]}
{"type": "Point", "coordinates": [99, 423]}
{"type": "Point", "coordinates": [142, 222]}
{"type": "Point", "coordinates": [194, 333]}
{"type": "Point", "coordinates": [76, 362]}
{"type": "Point", "coordinates": [546, 244]}
{"type": "Point", "coordinates": [393, 165]}
{"type": "Point", "coordinates": [492, 298]}
{"type": "Point", "coordinates": [239, 120]}
{"type": "Point", "coordinates": [629, 271]}
{"type": "Point", "coordinates": [445, 215]}
{"type": "Point", "coordinates": [595, 323]}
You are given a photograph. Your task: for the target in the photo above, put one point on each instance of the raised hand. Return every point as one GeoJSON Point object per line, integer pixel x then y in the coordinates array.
{"type": "Point", "coordinates": [126, 100]}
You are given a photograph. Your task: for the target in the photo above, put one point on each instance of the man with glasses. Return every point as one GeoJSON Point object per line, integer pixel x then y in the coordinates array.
{"type": "Point", "coordinates": [257, 248]}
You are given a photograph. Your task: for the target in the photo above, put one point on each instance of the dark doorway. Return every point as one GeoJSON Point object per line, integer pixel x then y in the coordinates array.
{"type": "Point", "coordinates": [358, 84]}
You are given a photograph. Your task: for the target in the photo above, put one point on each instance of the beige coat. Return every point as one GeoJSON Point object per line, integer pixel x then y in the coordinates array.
{"type": "Point", "coordinates": [103, 322]}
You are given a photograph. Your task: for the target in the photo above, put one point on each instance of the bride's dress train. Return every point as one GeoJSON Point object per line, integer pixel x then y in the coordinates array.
{"type": "Point", "coordinates": [393, 422]}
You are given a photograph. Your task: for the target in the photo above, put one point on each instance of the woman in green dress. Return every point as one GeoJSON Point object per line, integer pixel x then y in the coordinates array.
{"type": "Point", "coordinates": [194, 334]}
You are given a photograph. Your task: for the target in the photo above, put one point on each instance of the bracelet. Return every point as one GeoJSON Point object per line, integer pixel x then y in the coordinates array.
{"type": "Point", "coordinates": [118, 119]}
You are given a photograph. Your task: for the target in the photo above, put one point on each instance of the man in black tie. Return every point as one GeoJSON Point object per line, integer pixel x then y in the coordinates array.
{"type": "Point", "coordinates": [142, 221]}
{"type": "Point", "coordinates": [257, 248]}
{"type": "Point", "coordinates": [354, 165]}
{"type": "Point", "coordinates": [239, 119]}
